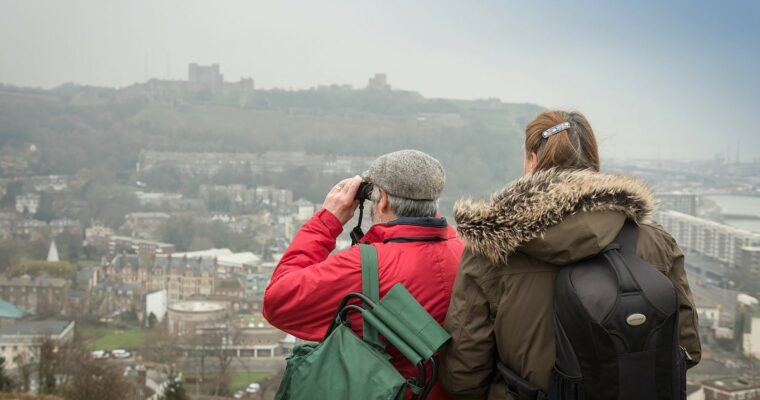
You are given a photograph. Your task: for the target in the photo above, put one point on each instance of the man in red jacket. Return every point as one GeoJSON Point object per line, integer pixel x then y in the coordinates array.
{"type": "Point", "coordinates": [414, 245]}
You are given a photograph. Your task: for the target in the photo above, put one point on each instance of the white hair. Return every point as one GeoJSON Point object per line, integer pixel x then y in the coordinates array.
{"type": "Point", "coordinates": [407, 207]}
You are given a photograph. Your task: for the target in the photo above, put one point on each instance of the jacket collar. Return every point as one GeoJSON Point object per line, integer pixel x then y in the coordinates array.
{"type": "Point", "coordinates": [530, 206]}
{"type": "Point", "coordinates": [410, 227]}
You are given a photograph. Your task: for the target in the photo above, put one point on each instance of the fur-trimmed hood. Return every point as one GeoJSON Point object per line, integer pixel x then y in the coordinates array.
{"type": "Point", "coordinates": [534, 204]}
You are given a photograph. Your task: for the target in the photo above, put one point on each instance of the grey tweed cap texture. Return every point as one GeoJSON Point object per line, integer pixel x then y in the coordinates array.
{"type": "Point", "coordinates": [410, 174]}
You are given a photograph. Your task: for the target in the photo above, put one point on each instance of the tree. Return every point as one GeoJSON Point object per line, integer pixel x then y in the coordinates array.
{"type": "Point", "coordinates": [45, 211]}
{"type": "Point", "coordinates": [218, 201]}
{"type": "Point", "coordinates": [47, 366]}
{"type": "Point", "coordinates": [174, 389]}
{"type": "Point", "coordinates": [217, 341]}
{"type": "Point", "coordinates": [69, 245]}
{"type": "Point", "coordinates": [6, 383]}
{"type": "Point", "coordinates": [86, 378]}
{"type": "Point", "coordinates": [180, 231]}
{"type": "Point", "coordinates": [25, 368]}
{"type": "Point", "coordinates": [11, 191]}
{"type": "Point", "coordinates": [163, 178]}
{"type": "Point", "coordinates": [160, 346]}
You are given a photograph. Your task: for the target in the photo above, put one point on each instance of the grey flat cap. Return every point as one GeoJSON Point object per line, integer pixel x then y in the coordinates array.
{"type": "Point", "coordinates": [410, 174]}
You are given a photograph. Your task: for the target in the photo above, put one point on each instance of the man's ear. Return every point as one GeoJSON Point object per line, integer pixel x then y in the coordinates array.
{"type": "Point", "coordinates": [382, 205]}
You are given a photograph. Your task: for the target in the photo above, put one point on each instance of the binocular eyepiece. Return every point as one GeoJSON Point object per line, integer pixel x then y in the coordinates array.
{"type": "Point", "coordinates": [364, 192]}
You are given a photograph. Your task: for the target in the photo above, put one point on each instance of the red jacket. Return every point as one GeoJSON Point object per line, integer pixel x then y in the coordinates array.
{"type": "Point", "coordinates": [308, 283]}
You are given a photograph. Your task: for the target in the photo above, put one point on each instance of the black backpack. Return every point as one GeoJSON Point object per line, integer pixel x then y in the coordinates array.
{"type": "Point", "coordinates": [616, 328]}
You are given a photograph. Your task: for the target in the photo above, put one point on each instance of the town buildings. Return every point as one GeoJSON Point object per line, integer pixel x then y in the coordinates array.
{"type": "Point", "coordinates": [40, 295]}
{"type": "Point", "coordinates": [187, 316]}
{"type": "Point", "coordinates": [141, 247]}
{"type": "Point", "coordinates": [182, 277]}
{"type": "Point", "coordinates": [146, 225]}
{"type": "Point", "coordinates": [10, 314]}
{"type": "Point", "coordinates": [709, 238]}
{"type": "Point", "coordinates": [258, 164]}
{"type": "Point", "coordinates": [750, 258]}
{"type": "Point", "coordinates": [21, 342]}
{"type": "Point", "coordinates": [682, 202]}
{"type": "Point", "coordinates": [731, 389]}
{"type": "Point", "coordinates": [27, 203]}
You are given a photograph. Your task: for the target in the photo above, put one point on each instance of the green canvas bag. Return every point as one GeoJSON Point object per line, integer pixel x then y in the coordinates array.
{"type": "Point", "coordinates": [345, 366]}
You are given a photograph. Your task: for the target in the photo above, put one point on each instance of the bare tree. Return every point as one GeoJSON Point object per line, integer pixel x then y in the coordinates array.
{"type": "Point", "coordinates": [47, 365]}
{"type": "Point", "coordinates": [160, 346]}
{"type": "Point", "coordinates": [25, 365]}
{"type": "Point", "coordinates": [214, 342]}
{"type": "Point", "coordinates": [6, 383]}
{"type": "Point", "coordinates": [85, 378]}
{"type": "Point", "coordinates": [219, 342]}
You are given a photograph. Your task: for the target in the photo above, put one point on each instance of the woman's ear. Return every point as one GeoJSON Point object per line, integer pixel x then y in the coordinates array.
{"type": "Point", "coordinates": [530, 162]}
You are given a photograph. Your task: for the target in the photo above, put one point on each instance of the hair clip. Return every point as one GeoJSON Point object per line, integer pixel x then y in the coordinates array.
{"type": "Point", "coordinates": [555, 130]}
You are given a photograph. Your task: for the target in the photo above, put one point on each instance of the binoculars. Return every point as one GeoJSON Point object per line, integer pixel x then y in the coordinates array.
{"type": "Point", "coordinates": [364, 192]}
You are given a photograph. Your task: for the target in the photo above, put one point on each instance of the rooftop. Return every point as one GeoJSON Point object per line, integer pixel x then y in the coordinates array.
{"type": "Point", "coordinates": [197, 306]}
{"type": "Point", "coordinates": [238, 259]}
{"type": "Point", "coordinates": [26, 280]}
{"type": "Point", "coordinates": [733, 384]}
{"type": "Point", "coordinates": [8, 310]}
{"type": "Point", "coordinates": [710, 296]}
{"type": "Point", "coordinates": [47, 327]}
{"type": "Point", "coordinates": [210, 253]}
{"type": "Point", "coordinates": [123, 261]}
{"type": "Point", "coordinates": [161, 215]}
{"type": "Point", "coordinates": [710, 223]}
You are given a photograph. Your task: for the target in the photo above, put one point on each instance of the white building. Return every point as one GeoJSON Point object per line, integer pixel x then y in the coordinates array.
{"type": "Point", "coordinates": [227, 262]}
{"type": "Point", "coordinates": [678, 201]}
{"type": "Point", "coordinates": [236, 262]}
{"type": "Point", "coordinates": [27, 202]}
{"type": "Point", "coordinates": [156, 199]}
{"type": "Point", "coordinates": [23, 340]}
{"type": "Point", "coordinates": [750, 258]}
{"type": "Point", "coordinates": [708, 238]}
{"type": "Point", "coordinates": [305, 210]}
{"type": "Point", "coordinates": [209, 253]}
{"type": "Point", "coordinates": [156, 303]}
{"type": "Point", "coordinates": [751, 338]}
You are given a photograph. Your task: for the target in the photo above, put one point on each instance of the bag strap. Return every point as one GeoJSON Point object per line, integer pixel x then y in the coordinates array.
{"type": "Point", "coordinates": [518, 386]}
{"type": "Point", "coordinates": [628, 237]}
{"type": "Point", "coordinates": [623, 245]}
{"type": "Point", "coordinates": [370, 288]}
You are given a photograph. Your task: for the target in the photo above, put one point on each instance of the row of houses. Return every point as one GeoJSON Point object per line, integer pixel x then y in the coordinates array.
{"type": "Point", "coordinates": [14, 225]}
{"type": "Point", "coordinates": [732, 246]}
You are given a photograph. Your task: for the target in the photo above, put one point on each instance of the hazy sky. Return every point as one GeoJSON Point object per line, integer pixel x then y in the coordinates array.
{"type": "Point", "coordinates": [668, 79]}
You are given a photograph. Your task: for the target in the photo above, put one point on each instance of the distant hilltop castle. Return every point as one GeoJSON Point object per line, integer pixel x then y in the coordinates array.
{"type": "Point", "coordinates": [201, 77]}
{"type": "Point", "coordinates": [379, 82]}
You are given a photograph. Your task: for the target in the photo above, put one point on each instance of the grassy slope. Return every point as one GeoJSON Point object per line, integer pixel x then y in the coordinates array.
{"type": "Point", "coordinates": [109, 339]}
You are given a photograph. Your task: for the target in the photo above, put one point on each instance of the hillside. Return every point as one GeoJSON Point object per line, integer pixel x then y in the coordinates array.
{"type": "Point", "coordinates": [104, 129]}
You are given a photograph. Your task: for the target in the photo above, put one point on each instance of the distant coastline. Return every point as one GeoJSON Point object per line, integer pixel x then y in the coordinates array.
{"type": "Point", "coordinates": [741, 210]}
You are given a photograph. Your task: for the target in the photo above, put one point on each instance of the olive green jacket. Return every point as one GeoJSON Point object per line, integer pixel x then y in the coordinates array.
{"type": "Point", "coordinates": [502, 304]}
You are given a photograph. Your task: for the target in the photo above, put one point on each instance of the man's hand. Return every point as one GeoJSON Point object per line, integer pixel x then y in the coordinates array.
{"type": "Point", "coordinates": [340, 200]}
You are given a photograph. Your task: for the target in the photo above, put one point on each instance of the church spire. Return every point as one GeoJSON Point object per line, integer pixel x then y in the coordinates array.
{"type": "Point", "coordinates": [53, 252]}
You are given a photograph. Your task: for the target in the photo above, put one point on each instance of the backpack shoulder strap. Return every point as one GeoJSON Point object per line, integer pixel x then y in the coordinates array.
{"type": "Point", "coordinates": [616, 253]}
{"type": "Point", "coordinates": [628, 237]}
{"type": "Point", "coordinates": [370, 287]}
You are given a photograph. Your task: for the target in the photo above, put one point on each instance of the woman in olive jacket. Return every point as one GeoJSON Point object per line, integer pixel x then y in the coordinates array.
{"type": "Point", "coordinates": [563, 210]}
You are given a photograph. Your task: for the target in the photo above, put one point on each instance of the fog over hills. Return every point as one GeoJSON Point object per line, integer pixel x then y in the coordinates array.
{"type": "Point", "coordinates": [674, 80]}
{"type": "Point", "coordinates": [102, 129]}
